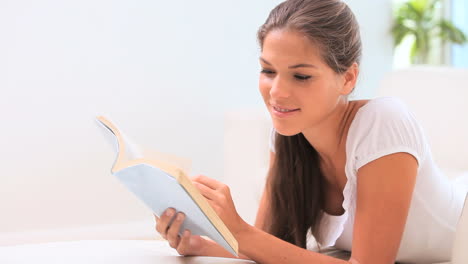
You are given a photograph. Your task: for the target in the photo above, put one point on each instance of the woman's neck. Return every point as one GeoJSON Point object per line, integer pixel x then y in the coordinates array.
{"type": "Point", "coordinates": [329, 136]}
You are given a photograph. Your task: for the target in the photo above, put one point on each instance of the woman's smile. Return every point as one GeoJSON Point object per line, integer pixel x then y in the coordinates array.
{"type": "Point", "coordinates": [283, 112]}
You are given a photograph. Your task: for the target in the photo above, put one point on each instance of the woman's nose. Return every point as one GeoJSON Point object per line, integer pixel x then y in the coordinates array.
{"type": "Point", "coordinates": [279, 88]}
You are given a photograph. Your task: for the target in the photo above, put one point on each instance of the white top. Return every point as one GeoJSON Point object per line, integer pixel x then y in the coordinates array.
{"type": "Point", "coordinates": [381, 127]}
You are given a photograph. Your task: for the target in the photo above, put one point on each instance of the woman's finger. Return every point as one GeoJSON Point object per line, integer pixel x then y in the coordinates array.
{"type": "Point", "coordinates": [209, 182]}
{"type": "Point", "coordinates": [164, 221]}
{"type": "Point", "coordinates": [206, 191]}
{"type": "Point", "coordinates": [156, 220]}
{"type": "Point", "coordinates": [173, 232]}
{"type": "Point", "coordinates": [184, 244]}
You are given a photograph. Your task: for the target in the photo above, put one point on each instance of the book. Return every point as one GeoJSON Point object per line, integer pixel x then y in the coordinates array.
{"type": "Point", "coordinates": [160, 184]}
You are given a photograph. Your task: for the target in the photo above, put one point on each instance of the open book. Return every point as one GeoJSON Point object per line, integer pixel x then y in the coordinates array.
{"type": "Point", "coordinates": [160, 185]}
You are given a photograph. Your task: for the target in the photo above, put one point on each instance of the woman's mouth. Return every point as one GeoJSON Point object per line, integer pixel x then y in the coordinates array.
{"type": "Point", "coordinates": [284, 112]}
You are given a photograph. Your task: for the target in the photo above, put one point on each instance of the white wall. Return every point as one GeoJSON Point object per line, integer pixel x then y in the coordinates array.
{"type": "Point", "coordinates": [375, 20]}
{"type": "Point", "coordinates": [166, 71]}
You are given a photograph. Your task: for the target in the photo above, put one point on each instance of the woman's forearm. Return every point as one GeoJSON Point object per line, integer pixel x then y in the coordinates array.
{"type": "Point", "coordinates": [264, 248]}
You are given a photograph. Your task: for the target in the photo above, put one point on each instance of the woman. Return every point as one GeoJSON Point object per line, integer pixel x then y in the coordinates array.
{"type": "Point", "coordinates": [357, 175]}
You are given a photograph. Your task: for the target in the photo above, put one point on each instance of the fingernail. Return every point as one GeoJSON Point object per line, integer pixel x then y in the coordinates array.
{"type": "Point", "coordinates": [169, 212]}
{"type": "Point", "coordinates": [180, 217]}
{"type": "Point", "coordinates": [186, 233]}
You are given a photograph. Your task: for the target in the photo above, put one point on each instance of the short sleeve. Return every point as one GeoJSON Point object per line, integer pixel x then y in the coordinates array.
{"type": "Point", "coordinates": [272, 140]}
{"type": "Point", "coordinates": [387, 126]}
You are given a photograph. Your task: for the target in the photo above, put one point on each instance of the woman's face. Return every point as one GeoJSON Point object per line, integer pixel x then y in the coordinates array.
{"type": "Point", "coordinates": [298, 87]}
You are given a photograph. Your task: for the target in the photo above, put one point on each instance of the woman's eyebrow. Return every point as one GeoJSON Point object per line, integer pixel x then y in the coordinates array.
{"type": "Point", "coordinates": [293, 66]}
{"type": "Point", "coordinates": [302, 65]}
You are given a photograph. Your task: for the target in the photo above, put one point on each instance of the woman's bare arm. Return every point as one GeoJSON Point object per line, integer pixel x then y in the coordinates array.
{"type": "Point", "coordinates": [384, 190]}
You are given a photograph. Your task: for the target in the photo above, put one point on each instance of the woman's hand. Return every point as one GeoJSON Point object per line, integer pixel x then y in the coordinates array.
{"type": "Point", "coordinates": [219, 197]}
{"type": "Point", "coordinates": [187, 244]}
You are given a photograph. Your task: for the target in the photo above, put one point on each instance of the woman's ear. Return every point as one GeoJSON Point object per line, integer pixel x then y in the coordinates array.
{"type": "Point", "coordinates": [350, 79]}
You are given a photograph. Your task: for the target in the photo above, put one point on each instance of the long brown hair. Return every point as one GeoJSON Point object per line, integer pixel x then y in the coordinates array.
{"type": "Point", "coordinates": [295, 180]}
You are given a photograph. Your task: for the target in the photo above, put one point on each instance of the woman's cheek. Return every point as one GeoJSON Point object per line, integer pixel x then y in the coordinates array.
{"type": "Point", "coordinates": [264, 85]}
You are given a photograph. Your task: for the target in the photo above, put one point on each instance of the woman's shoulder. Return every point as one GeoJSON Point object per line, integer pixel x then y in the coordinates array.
{"type": "Point", "coordinates": [385, 112]}
{"type": "Point", "coordinates": [382, 126]}
{"type": "Point", "coordinates": [383, 107]}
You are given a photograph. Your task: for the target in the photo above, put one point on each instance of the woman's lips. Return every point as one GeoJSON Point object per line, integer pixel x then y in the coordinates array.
{"type": "Point", "coordinates": [284, 112]}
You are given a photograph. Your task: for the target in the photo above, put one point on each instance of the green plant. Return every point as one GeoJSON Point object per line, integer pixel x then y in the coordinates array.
{"type": "Point", "coordinates": [419, 18]}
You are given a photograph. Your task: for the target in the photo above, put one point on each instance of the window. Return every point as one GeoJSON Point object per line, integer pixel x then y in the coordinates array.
{"type": "Point", "coordinates": [460, 19]}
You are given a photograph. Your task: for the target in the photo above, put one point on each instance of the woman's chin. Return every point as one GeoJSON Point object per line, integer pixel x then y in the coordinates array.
{"type": "Point", "coordinates": [286, 131]}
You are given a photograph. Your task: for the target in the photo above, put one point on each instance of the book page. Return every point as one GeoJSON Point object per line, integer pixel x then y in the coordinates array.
{"type": "Point", "coordinates": [132, 151]}
{"type": "Point", "coordinates": [182, 163]}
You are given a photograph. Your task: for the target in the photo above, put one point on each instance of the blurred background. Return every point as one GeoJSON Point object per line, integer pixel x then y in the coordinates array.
{"type": "Point", "coordinates": [178, 77]}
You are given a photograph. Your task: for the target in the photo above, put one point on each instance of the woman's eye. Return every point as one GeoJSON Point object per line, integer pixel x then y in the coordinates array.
{"type": "Point", "coordinates": [265, 71]}
{"type": "Point", "coordinates": [302, 77]}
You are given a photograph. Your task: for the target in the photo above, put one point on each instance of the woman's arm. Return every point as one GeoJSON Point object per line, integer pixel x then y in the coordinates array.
{"type": "Point", "coordinates": [267, 249]}
{"type": "Point", "coordinates": [257, 245]}
{"type": "Point", "coordinates": [384, 190]}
